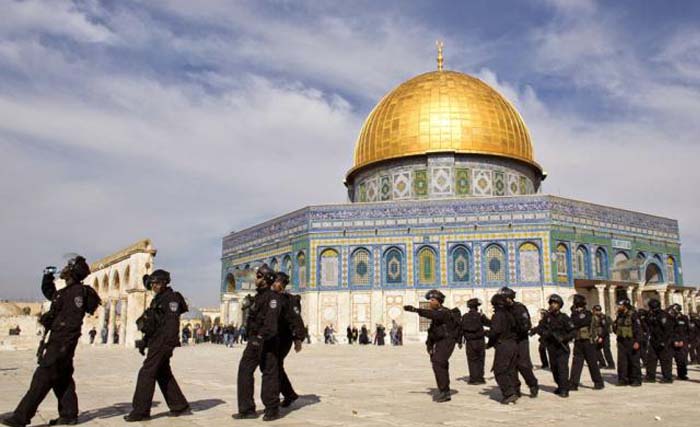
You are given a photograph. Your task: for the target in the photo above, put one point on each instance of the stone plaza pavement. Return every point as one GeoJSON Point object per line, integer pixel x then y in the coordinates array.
{"type": "Point", "coordinates": [350, 385]}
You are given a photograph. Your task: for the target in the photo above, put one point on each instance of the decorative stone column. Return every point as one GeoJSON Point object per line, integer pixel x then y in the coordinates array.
{"type": "Point", "coordinates": [662, 297]}
{"type": "Point", "coordinates": [601, 296]}
{"type": "Point", "coordinates": [612, 304]}
{"type": "Point", "coordinates": [693, 296]}
{"type": "Point", "coordinates": [123, 319]}
{"type": "Point", "coordinates": [112, 321]}
{"type": "Point", "coordinates": [101, 318]}
{"type": "Point", "coordinates": [136, 303]}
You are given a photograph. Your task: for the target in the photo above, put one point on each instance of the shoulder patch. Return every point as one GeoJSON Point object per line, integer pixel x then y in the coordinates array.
{"type": "Point", "coordinates": [296, 310]}
{"type": "Point", "coordinates": [525, 315]}
{"type": "Point", "coordinates": [663, 320]}
{"type": "Point", "coordinates": [273, 304]}
{"type": "Point", "coordinates": [582, 316]}
{"type": "Point", "coordinates": [78, 301]}
{"type": "Point", "coordinates": [173, 305]}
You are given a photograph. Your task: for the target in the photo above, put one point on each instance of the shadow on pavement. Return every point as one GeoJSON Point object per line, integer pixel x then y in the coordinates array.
{"type": "Point", "coordinates": [303, 401]}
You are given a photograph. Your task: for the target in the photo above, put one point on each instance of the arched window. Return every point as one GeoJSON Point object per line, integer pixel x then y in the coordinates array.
{"type": "Point", "coordinates": [393, 264]}
{"type": "Point", "coordinates": [230, 283]}
{"type": "Point", "coordinates": [529, 263]}
{"type": "Point", "coordinates": [641, 256]}
{"type": "Point", "coordinates": [495, 264]}
{"type": "Point", "coordinates": [426, 266]}
{"type": "Point", "coordinates": [287, 267]}
{"type": "Point", "coordinates": [460, 264]}
{"type": "Point", "coordinates": [581, 261]}
{"type": "Point", "coordinates": [671, 270]}
{"type": "Point", "coordinates": [621, 270]}
{"type": "Point", "coordinates": [96, 285]}
{"type": "Point", "coordinates": [562, 263]}
{"type": "Point", "coordinates": [127, 277]}
{"type": "Point", "coordinates": [301, 267]}
{"type": "Point", "coordinates": [105, 284]}
{"type": "Point", "coordinates": [274, 265]}
{"type": "Point", "coordinates": [360, 268]}
{"type": "Point", "coordinates": [601, 263]}
{"type": "Point", "coordinates": [329, 267]}
{"type": "Point", "coordinates": [620, 259]}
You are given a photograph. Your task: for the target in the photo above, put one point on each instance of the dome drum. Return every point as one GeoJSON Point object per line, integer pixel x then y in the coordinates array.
{"type": "Point", "coordinates": [442, 175]}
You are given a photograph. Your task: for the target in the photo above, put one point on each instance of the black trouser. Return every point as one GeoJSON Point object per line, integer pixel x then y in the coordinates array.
{"type": "Point", "coordinates": [476, 357]}
{"type": "Point", "coordinates": [440, 359]}
{"type": "Point", "coordinates": [605, 355]}
{"type": "Point", "coordinates": [559, 364]}
{"type": "Point", "coordinates": [285, 385]}
{"type": "Point", "coordinates": [504, 366]}
{"type": "Point", "coordinates": [156, 368]}
{"type": "Point", "coordinates": [693, 353]}
{"type": "Point", "coordinates": [629, 368]}
{"type": "Point", "coordinates": [263, 354]}
{"type": "Point", "coordinates": [523, 364]}
{"type": "Point", "coordinates": [644, 349]}
{"type": "Point", "coordinates": [585, 350]}
{"type": "Point", "coordinates": [543, 355]}
{"type": "Point", "coordinates": [680, 355]}
{"type": "Point", "coordinates": [662, 354]}
{"type": "Point", "coordinates": [58, 376]}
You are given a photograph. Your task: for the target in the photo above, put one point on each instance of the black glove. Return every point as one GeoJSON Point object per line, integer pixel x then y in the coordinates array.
{"type": "Point", "coordinates": [141, 346]}
{"type": "Point", "coordinates": [409, 308]}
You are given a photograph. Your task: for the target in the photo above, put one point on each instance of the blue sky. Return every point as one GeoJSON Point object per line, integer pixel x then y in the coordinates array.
{"type": "Point", "coordinates": [181, 121]}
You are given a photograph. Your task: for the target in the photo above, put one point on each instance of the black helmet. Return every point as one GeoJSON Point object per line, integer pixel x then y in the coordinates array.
{"type": "Point", "coordinates": [579, 300]}
{"type": "Point", "coordinates": [434, 293]}
{"type": "Point", "coordinates": [624, 301]}
{"type": "Point", "coordinates": [160, 276]}
{"type": "Point", "coordinates": [597, 307]}
{"type": "Point", "coordinates": [282, 277]}
{"type": "Point", "coordinates": [677, 308]}
{"type": "Point", "coordinates": [474, 302]}
{"type": "Point", "coordinates": [654, 304]}
{"type": "Point", "coordinates": [266, 273]}
{"type": "Point", "coordinates": [555, 298]}
{"type": "Point", "coordinates": [499, 300]}
{"type": "Point", "coordinates": [77, 268]}
{"type": "Point", "coordinates": [507, 292]}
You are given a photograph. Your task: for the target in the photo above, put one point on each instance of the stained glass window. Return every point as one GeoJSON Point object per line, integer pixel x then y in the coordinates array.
{"type": "Point", "coordinates": [329, 268]}
{"type": "Point", "coordinates": [671, 270]}
{"type": "Point", "coordinates": [580, 266]}
{"type": "Point", "coordinates": [495, 264]}
{"type": "Point", "coordinates": [460, 264]}
{"type": "Point", "coordinates": [360, 267]}
{"type": "Point", "coordinates": [529, 262]}
{"type": "Point", "coordinates": [426, 266]}
{"type": "Point", "coordinates": [562, 265]}
{"type": "Point", "coordinates": [600, 264]}
{"type": "Point", "coordinates": [301, 265]}
{"type": "Point", "coordinates": [393, 263]}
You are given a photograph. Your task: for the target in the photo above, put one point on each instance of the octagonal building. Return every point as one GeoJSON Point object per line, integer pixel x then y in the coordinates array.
{"type": "Point", "coordinates": [444, 193]}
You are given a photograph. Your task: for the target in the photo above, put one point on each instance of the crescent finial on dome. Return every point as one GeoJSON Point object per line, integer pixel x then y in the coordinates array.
{"type": "Point", "coordinates": [440, 58]}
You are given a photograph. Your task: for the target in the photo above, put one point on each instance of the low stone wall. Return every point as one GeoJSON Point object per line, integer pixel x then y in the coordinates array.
{"type": "Point", "coordinates": [29, 336]}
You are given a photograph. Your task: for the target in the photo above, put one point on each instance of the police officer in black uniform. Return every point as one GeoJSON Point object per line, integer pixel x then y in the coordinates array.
{"type": "Point", "coordinates": [503, 337]}
{"type": "Point", "coordinates": [644, 344]}
{"type": "Point", "coordinates": [679, 339]}
{"type": "Point", "coordinates": [694, 339]}
{"type": "Point", "coordinates": [63, 323]}
{"type": "Point", "coordinates": [262, 350]}
{"type": "Point", "coordinates": [628, 329]}
{"type": "Point", "coordinates": [660, 327]}
{"type": "Point", "coordinates": [522, 326]}
{"type": "Point", "coordinates": [473, 323]}
{"type": "Point", "coordinates": [606, 358]}
{"type": "Point", "coordinates": [291, 333]}
{"type": "Point", "coordinates": [557, 329]}
{"type": "Point", "coordinates": [588, 336]}
{"type": "Point", "coordinates": [161, 336]}
{"type": "Point", "coordinates": [442, 337]}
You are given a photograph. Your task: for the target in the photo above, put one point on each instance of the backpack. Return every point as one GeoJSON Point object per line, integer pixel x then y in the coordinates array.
{"type": "Point", "coordinates": [455, 327]}
{"type": "Point", "coordinates": [523, 324]}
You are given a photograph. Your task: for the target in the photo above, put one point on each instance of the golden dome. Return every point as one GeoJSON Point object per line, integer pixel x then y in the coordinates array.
{"type": "Point", "coordinates": [443, 111]}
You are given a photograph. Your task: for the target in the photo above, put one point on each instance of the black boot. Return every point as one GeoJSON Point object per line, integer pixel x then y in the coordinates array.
{"type": "Point", "coordinates": [271, 415]}
{"type": "Point", "coordinates": [288, 401]}
{"type": "Point", "coordinates": [443, 396]}
{"type": "Point", "coordinates": [12, 422]}
{"type": "Point", "coordinates": [534, 390]}
{"type": "Point", "coordinates": [133, 418]}
{"type": "Point", "coordinates": [184, 411]}
{"type": "Point", "coordinates": [245, 415]}
{"type": "Point", "coordinates": [60, 421]}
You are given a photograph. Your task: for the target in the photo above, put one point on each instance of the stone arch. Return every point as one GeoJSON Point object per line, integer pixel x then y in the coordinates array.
{"type": "Point", "coordinates": [274, 264]}
{"type": "Point", "coordinates": [562, 261]}
{"type": "Point", "coordinates": [96, 284]}
{"type": "Point", "coordinates": [671, 271]}
{"type": "Point", "coordinates": [653, 274]}
{"type": "Point", "coordinates": [581, 261]}
{"type": "Point", "coordinates": [105, 284]}
{"type": "Point", "coordinates": [115, 283]}
{"type": "Point", "coordinates": [127, 277]}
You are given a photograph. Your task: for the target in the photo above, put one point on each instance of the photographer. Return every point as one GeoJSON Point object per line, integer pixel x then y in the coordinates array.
{"type": "Point", "coordinates": [160, 325]}
{"type": "Point", "coordinates": [62, 323]}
